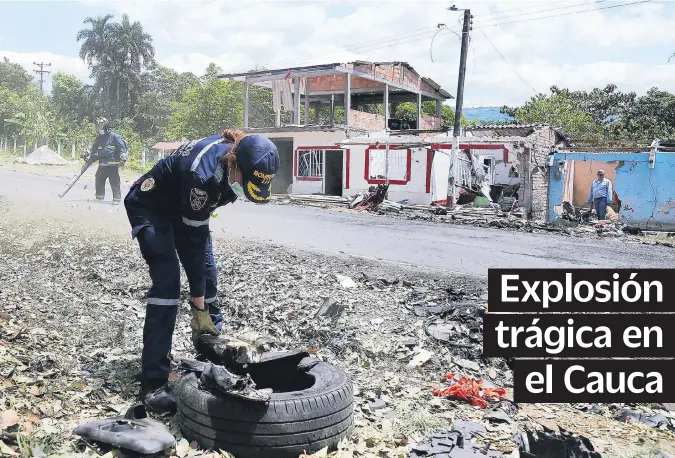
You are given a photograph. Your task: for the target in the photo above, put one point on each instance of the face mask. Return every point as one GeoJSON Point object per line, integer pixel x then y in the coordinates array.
{"type": "Point", "coordinates": [236, 188]}
{"type": "Point", "coordinates": [101, 131]}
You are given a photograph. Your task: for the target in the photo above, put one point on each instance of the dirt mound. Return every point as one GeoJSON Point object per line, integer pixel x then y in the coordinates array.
{"type": "Point", "coordinates": [44, 156]}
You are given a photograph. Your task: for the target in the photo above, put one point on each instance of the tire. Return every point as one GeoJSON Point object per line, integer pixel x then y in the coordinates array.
{"type": "Point", "coordinates": [291, 423]}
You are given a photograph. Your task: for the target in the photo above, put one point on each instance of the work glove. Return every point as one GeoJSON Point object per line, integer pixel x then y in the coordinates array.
{"type": "Point", "coordinates": [201, 323]}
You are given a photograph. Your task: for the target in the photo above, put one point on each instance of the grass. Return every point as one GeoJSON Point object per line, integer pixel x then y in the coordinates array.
{"type": "Point", "coordinates": [422, 424]}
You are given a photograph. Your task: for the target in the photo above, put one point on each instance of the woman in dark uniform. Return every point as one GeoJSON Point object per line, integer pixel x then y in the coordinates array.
{"type": "Point", "coordinates": [169, 210]}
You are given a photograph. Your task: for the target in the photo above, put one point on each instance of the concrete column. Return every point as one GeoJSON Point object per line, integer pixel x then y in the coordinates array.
{"type": "Point", "coordinates": [419, 111]}
{"type": "Point", "coordinates": [386, 106]}
{"type": "Point", "coordinates": [438, 109]}
{"type": "Point", "coordinates": [306, 102]}
{"type": "Point", "coordinates": [296, 96]}
{"type": "Point", "coordinates": [246, 89]}
{"type": "Point", "coordinates": [348, 97]}
{"type": "Point", "coordinates": [332, 110]}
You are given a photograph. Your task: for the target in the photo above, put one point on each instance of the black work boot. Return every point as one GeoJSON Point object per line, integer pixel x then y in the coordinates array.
{"type": "Point", "coordinates": [157, 397]}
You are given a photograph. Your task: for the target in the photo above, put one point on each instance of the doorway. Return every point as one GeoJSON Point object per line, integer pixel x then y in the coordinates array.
{"type": "Point", "coordinates": [284, 177]}
{"type": "Point", "coordinates": [334, 172]}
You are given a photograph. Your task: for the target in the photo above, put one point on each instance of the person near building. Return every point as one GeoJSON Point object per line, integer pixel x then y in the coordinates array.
{"type": "Point", "coordinates": [601, 192]}
{"type": "Point", "coordinates": [110, 150]}
{"type": "Point", "coordinates": [169, 209]}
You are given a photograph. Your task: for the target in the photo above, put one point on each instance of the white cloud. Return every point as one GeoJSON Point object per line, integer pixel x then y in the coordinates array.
{"type": "Point", "coordinates": [59, 63]}
{"type": "Point", "coordinates": [558, 51]}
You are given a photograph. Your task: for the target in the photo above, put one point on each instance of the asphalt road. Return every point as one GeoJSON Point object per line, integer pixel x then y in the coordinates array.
{"type": "Point", "coordinates": [439, 246]}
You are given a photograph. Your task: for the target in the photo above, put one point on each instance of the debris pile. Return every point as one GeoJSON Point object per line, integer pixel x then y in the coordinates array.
{"type": "Point", "coordinates": [547, 443]}
{"type": "Point", "coordinates": [72, 307]}
{"type": "Point", "coordinates": [455, 443]}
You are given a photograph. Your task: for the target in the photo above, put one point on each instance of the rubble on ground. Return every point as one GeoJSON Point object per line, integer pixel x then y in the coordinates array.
{"type": "Point", "coordinates": [72, 312]}
{"type": "Point", "coordinates": [574, 221]}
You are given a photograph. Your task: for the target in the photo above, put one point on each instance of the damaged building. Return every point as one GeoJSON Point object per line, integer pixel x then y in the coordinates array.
{"type": "Point", "coordinates": [522, 162]}
{"type": "Point", "coordinates": [359, 98]}
{"type": "Point", "coordinates": [642, 176]}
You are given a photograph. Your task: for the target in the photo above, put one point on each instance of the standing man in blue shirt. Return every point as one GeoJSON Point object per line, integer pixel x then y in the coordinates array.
{"type": "Point", "coordinates": [110, 151]}
{"type": "Point", "coordinates": [169, 210]}
{"type": "Point", "coordinates": [601, 192]}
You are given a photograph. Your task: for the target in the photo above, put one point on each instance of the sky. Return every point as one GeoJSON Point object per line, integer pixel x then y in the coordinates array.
{"type": "Point", "coordinates": [516, 49]}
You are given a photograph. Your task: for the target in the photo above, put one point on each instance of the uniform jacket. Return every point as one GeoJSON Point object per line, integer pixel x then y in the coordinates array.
{"type": "Point", "coordinates": [183, 189]}
{"type": "Point", "coordinates": [110, 149]}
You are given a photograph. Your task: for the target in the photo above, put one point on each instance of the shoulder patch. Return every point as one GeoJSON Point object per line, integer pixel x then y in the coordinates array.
{"type": "Point", "coordinates": [198, 198]}
{"type": "Point", "coordinates": [148, 184]}
{"type": "Point", "coordinates": [185, 149]}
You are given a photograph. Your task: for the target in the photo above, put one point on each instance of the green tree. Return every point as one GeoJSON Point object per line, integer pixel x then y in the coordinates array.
{"type": "Point", "coordinates": [447, 113]}
{"type": "Point", "coordinates": [13, 76]}
{"type": "Point", "coordinates": [408, 112]}
{"type": "Point", "coordinates": [162, 89]}
{"type": "Point", "coordinates": [557, 110]}
{"type": "Point", "coordinates": [117, 54]}
{"type": "Point", "coordinates": [651, 116]}
{"type": "Point", "coordinates": [68, 97]}
{"type": "Point", "coordinates": [207, 108]}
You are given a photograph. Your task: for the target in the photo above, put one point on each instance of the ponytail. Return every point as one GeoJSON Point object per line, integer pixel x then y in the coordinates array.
{"type": "Point", "coordinates": [233, 136]}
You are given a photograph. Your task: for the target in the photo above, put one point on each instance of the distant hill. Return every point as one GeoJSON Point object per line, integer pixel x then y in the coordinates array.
{"type": "Point", "coordinates": [485, 114]}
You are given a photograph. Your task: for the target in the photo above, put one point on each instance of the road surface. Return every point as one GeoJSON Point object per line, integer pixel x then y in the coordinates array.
{"type": "Point", "coordinates": [439, 246]}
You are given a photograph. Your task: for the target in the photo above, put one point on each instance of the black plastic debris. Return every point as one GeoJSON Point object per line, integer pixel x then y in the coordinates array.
{"type": "Point", "coordinates": [469, 429]}
{"type": "Point", "coordinates": [330, 309]}
{"type": "Point", "coordinates": [590, 408]}
{"type": "Point", "coordinates": [636, 416]}
{"type": "Point", "coordinates": [133, 431]}
{"type": "Point", "coordinates": [498, 416]}
{"type": "Point", "coordinates": [411, 343]}
{"type": "Point", "coordinates": [503, 412]}
{"type": "Point", "coordinates": [451, 444]}
{"type": "Point", "coordinates": [218, 380]}
{"type": "Point", "coordinates": [548, 444]}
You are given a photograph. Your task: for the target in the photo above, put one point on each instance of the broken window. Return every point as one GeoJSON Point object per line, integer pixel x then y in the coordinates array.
{"type": "Point", "coordinates": [310, 163]}
{"type": "Point", "coordinates": [393, 166]}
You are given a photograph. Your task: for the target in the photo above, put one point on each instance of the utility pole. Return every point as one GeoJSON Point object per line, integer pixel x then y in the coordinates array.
{"type": "Point", "coordinates": [452, 178]}
{"type": "Point", "coordinates": [42, 72]}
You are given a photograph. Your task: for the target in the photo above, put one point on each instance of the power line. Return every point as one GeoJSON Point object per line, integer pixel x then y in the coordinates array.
{"type": "Point", "coordinates": [427, 35]}
{"type": "Point", "coordinates": [568, 14]}
{"type": "Point", "coordinates": [42, 72]}
{"type": "Point", "coordinates": [525, 7]}
{"type": "Point", "coordinates": [365, 44]}
{"type": "Point", "coordinates": [508, 63]}
{"type": "Point", "coordinates": [584, 4]}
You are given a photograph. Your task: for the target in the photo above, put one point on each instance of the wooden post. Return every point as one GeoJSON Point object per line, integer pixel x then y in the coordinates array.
{"type": "Point", "coordinates": [58, 146]}
{"type": "Point", "coordinates": [348, 98]}
{"type": "Point", "coordinates": [386, 106]}
{"type": "Point", "coordinates": [246, 89]}
{"type": "Point", "coordinates": [14, 151]}
{"type": "Point", "coordinates": [296, 95]}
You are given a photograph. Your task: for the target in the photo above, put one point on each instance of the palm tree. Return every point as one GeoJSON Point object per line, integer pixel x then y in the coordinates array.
{"type": "Point", "coordinates": [138, 54]}
{"type": "Point", "coordinates": [117, 53]}
{"type": "Point", "coordinates": [96, 52]}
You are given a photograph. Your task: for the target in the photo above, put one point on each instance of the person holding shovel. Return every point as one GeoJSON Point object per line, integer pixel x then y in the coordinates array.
{"type": "Point", "coordinates": [169, 210]}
